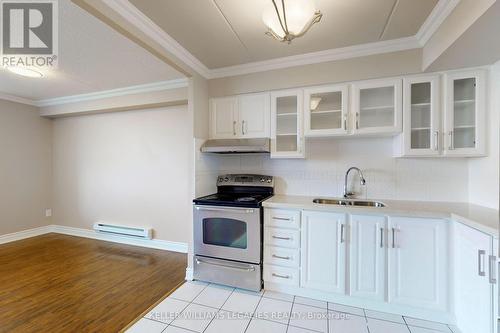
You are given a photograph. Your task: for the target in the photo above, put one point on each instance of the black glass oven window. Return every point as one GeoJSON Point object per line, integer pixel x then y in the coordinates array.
{"type": "Point", "coordinates": [225, 232]}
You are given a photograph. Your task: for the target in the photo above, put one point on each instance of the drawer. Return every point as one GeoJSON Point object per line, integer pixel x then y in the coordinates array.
{"type": "Point", "coordinates": [281, 256]}
{"type": "Point", "coordinates": [282, 275]}
{"type": "Point", "coordinates": [282, 218]}
{"type": "Point", "coordinates": [282, 237]}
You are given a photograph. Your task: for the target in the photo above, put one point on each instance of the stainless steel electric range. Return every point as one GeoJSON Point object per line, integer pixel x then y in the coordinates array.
{"type": "Point", "coordinates": [228, 231]}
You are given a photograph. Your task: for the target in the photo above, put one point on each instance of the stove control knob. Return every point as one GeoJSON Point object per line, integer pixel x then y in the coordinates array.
{"type": "Point", "coordinates": [226, 179]}
{"type": "Point", "coordinates": [220, 179]}
{"type": "Point", "coordinates": [262, 180]}
{"type": "Point", "coordinates": [269, 180]}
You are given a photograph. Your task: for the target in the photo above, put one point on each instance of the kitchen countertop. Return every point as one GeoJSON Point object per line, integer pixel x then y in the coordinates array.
{"type": "Point", "coordinates": [478, 217]}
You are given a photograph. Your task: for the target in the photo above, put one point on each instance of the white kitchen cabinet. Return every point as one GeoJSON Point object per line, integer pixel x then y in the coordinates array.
{"type": "Point", "coordinates": [223, 117]}
{"type": "Point", "coordinates": [254, 115]}
{"type": "Point", "coordinates": [368, 274]}
{"type": "Point", "coordinates": [287, 136]}
{"type": "Point", "coordinates": [243, 116]}
{"type": "Point", "coordinates": [323, 251]}
{"type": "Point", "coordinates": [377, 107]}
{"type": "Point", "coordinates": [465, 109]}
{"type": "Point", "coordinates": [418, 262]}
{"type": "Point", "coordinates": [325, 110]}
{"type": "Point", "coordinates": [475, 288]}
{"type": "Point", "coordinates": [421, 116]}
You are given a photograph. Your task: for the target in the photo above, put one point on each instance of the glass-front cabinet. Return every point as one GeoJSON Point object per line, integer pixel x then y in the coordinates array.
{"type": "Point", "coordinates": [421, 127]}
{"type": "Point", "coordinates": [377, 106]}
{"type": "Point", "coordinates": [325, 110]}
{"type": "Point", "coordinates": [465, 113]}
{"type": "Point", "coordinates": [287, 124]}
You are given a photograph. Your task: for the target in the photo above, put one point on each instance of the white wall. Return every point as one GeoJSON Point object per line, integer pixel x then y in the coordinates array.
{"type": "Point", "coordinates": [25, 167]}
{"type": "Point", "coordinates": [322, 173]}
{"type": "Point", "coordinates": [484, 172]}
{"type": "Point", "coordinates": [128, 167]}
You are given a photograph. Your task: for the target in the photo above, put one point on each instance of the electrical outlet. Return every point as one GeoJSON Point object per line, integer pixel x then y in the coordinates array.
{"type": "Point", "coordinates": [48, 212]}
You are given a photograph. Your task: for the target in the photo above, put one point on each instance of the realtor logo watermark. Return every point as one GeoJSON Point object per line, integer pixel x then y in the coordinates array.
{"type": "Point", "coordinates": [29, 33]}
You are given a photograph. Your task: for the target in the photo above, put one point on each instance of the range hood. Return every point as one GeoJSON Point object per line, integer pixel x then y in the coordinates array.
{"type": "Point", "coordinates": [236, 146]}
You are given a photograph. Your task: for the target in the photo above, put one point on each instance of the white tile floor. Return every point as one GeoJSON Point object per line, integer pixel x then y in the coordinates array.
{"type": "Point", "coordinates": [210, 308]}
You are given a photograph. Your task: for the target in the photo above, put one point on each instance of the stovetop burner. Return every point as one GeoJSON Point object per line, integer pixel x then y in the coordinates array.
{"type": "Point", "coordinates": [239, 191]}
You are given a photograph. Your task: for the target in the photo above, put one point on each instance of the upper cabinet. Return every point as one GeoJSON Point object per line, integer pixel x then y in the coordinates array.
{"type": "Point", "coordinates": [377, 107]}
{"type": "Point", "coordinates": [421, 116]}
{"type": "Point", "coordinates": [287, 138]}
{"type": "Point", "coordinates": [244, 116]}
{"type": "Point", "coordinates": [325, 110]}
{"type": "Point", "coordinates": [464, 119]}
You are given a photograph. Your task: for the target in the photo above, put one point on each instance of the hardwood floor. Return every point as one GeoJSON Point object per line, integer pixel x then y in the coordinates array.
{"type": "Point", "coordinates": [57, 283]}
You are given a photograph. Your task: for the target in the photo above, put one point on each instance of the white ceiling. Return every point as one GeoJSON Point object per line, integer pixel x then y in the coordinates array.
{"type": "Point", "coordinates": [92, 57]}
{"type": "Point", "coordinates": [223, 33]}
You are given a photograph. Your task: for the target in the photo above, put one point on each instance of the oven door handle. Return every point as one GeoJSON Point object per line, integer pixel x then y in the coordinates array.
{"type": "Point", "coordinates": [224, 209]}
{"type": "Point", "coordinates": [250, 268]}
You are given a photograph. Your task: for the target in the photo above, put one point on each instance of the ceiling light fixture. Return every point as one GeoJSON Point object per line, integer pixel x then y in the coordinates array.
{"type": "Point", "coordinates": [287, 22]}
{"type": "Point", "coordinates": [23, 71]}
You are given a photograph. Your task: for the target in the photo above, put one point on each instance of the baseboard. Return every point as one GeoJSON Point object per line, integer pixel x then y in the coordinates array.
{"type": "Point", "coordinates": [189, 274]}
{"type": "Point", "coordinates": [15, 236]}
{"type": "Point", "coordinates": [88, 233]}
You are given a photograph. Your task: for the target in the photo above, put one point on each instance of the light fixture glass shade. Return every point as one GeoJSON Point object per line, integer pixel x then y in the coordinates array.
{"type": "Point", "coordinates": [23, 71]}
{"type": "Point", "coordinates": [298, 17]}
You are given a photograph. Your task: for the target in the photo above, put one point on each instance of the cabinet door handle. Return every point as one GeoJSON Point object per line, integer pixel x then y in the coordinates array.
{"type": "Point", "coordinates": [451, 146]}
{"type": "Point", "coordinates": [281, 276]}
{"type": "Point", "coordinates": [280, 257]}
{"type": "Point", "coordinates": [243, 127]}
{"type": "Point", "coordinates": [436, 140]}
{"type": "Point", "coordinates": [282, 218]}
{"type": "Point", "coordinates": [493, 269]}
{"type": "Point", "coordinates": [394, 238]}
{"type": "Point", "coordinates": [342, 236]}
{"type": "Point", "coordinates": [345, 122]}
{"type": "Point", "coordinates": [357, 120]}
{"type": "Point", "coordinates": [282, 238]}
{"type": "Point", "coordinates": [234, 127]}
{"type": "Point", "coordinates": [481, 254]}
{"type": "Point", "coordinates": [381, 237]}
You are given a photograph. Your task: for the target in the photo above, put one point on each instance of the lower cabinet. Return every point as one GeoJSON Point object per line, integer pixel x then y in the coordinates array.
{"type": "Point", "coordinates": [323, 251]}
{"type": "Point", "coordinates": [476, 274]}
{"type": "Point", "coordinates": [368, 256]}
{"type": "Point", "coordinates": [418, 262]}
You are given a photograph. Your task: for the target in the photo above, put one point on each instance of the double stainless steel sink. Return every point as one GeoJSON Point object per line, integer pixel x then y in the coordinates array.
{"type": "Point", "coordinates": [349, 202]}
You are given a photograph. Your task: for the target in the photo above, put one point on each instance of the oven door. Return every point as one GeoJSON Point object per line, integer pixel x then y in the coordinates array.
{"type": "Point", "coordinates": [231, 233]}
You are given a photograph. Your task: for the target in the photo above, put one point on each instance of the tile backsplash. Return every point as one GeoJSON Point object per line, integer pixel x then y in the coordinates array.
{"type": "Point", "coordinates": [327, 160]}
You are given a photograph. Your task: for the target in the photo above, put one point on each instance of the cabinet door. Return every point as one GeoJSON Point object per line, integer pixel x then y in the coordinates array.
{"type": "Point", "coordinates": [368, 253]}
{"type": "Point", "coordinates": [254, 115]}
{"type": "Point", "coordinates": [287, 137]}
{"type": "Point", "coordinates": [418, 262]}
{"type": "Point", "coordinates": [473, 290]}
{"type": "Point", "coordinates": [223, 118]}
{"type": "Point", "coordinates": [465, 113]}
{"type": "Point", "coordinates": [323, 239]}
{"type": "Point", "coordinates": [325, 110]}
{"type": "Point", "coordinates": [421, 128]}
{"type": "Point", "coordinates": [377, 106]}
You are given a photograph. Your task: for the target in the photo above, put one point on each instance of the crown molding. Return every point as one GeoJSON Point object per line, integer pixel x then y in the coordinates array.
{"type": "Point", "coordinates": [131, 90]}
{"type": "Point", "coordinates": [17, 99]}
{"type": "Point", "coordinates": [318, 57]}
{"type": "Point", "coordinates": [137, 18]}
{"type": "Point", "coordinates": [442, 10]}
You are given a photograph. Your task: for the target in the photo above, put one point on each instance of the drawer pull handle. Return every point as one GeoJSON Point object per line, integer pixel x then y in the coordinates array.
{"type": "Point", "coordinates": [282, 218]}
{"type": "Point", "coordinates": [481, 254]}
{"type": "Point", "coordinates": [493, 269]}
{"type": "Point", "coordinates": [280, 257]}
{"type": "Point", "coordinates": [281, 276]}
{"type": "Point", "coordinates": [282, 238]}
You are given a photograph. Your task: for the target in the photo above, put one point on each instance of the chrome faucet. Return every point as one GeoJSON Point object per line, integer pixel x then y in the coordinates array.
{"type": "Point", "coordinates": [362, 181]}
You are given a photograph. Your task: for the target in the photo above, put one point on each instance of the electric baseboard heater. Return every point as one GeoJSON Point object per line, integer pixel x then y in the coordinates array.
{"type": "Point", "coordinates": [121, 230]}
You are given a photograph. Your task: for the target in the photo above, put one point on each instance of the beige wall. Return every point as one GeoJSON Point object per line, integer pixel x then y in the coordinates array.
{"type": "Point", "coordinates": [375, 66]}
{"type": "Point", "coordinates": [129, 167]}
{"type": "Point", "coordinates": [25, 167]}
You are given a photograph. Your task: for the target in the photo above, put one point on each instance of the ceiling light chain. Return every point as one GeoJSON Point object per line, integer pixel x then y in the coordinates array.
{"type": "Point", "coordinates": [286, 35]}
